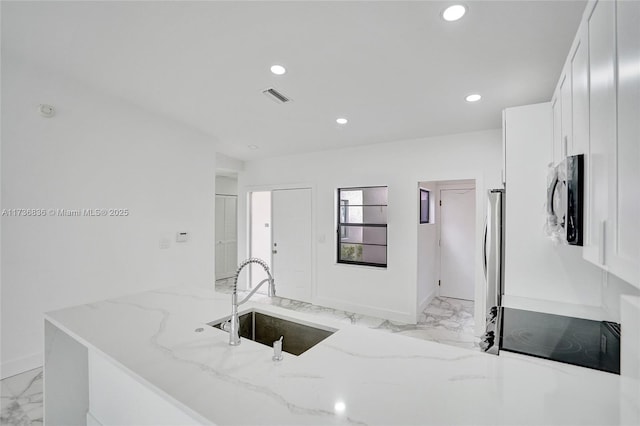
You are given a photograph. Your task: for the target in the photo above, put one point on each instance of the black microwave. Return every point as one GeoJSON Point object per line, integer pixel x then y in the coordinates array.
{"type": "Point", "coordinates": [565, 200]}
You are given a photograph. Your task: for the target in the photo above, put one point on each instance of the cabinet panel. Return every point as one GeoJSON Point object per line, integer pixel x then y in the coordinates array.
{"type": "Point", "coordinates": [566, 140]}
{"type": "Point", "coordinates": [580, 97]}
{"type": "Point", "coordinates": [625, 206]}
{"type": "Point", "coordinates": [602, 121]}
{"type": "Point", "coordinates": [556, 108]}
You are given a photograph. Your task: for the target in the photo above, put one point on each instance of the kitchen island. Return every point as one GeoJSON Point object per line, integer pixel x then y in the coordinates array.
{"type": "Point", "coordinates": [151, 358]}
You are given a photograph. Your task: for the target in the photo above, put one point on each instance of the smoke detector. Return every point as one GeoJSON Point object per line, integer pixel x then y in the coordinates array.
{"type": "Point", "coordinates": [276, 96]}
{"type": "Point", "coordinates": [46, 110]}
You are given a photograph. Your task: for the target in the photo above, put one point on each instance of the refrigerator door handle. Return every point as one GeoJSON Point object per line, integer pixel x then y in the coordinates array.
{"type": "Point", "coordinates": [484, 248]}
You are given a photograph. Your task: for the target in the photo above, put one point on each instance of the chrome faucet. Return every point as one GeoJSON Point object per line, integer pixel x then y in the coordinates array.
{"type": "Point", "coordinates": [234, 322]}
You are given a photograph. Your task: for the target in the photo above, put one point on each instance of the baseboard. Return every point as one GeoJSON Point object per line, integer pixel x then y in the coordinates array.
{"type": "Point", "coordinates": [20, 365]}
{"type": "Point", "coordinates": [423, 305]}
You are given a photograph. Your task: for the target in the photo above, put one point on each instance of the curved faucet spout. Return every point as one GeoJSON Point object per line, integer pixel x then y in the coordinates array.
{"type": "Point", "coordinates": [234, 329]}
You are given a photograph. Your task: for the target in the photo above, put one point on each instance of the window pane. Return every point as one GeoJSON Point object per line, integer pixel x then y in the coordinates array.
{"type": "Point", "coordinates": [363, 214]}
{"type": "Point", "coordinates": [351, 252]}
{"type": "Point", "coordinates": [374, 254]}
{"type": "Point", "coordinates": [363, 234]}
{"type": "Point", "coordinates": [424, 206]}
{"type": "Point", "coordinates": [363, 253]}
{"type": "Point", "coordinates": [374, 196]}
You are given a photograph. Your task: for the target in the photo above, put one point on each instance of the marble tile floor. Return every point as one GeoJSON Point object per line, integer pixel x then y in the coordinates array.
{"type": "Point", "coordinates": [21, 399]}
{"type": "Point", "coordinates": [445, 320]}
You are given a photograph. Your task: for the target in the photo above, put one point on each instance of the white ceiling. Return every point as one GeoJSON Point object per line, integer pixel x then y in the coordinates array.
{"type": "Point", "coordinates": [395, 69]}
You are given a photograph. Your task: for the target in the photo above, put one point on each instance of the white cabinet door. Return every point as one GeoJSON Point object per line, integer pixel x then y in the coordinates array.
{"type": "Point", "coordinates": [566, 140]}
{"type": "Point", "coordinates": [580, 95]}
{"type": "Point", "coordinates": [623, 234]}
{"type": "Point", "coordinates": [556, 108]}
{"type": "Point", "coordinates": [602, 123]}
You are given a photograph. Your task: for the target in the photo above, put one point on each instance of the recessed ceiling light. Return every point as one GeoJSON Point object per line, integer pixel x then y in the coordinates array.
{"type": "Point", "coordinates": [339, 407]}
{"type": "Point", "coordinates": [341, 120]}
{"type": "Point", "coordinates": [278, 69]}
{"type": "Point", "coordinates": [253, 147]}
{"type": "Point", "coordinates": [473, 98]}
{"type": "Point", "coordinates": [453, 13]}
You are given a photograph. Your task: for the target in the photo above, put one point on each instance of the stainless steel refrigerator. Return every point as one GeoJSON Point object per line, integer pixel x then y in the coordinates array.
{"type": "Point", "coordinates": [493, 256]}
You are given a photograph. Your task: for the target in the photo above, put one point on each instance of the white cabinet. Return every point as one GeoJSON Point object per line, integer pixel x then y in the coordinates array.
{"type": "Point", "coordinates": [612, 238]}
{"type": "Point", "coordinates": [580, 95]}
{"type": "Point", "coordinates": [556, 112]}
{"type": "Point", "coordinates": [602, 120]}
{"type": "Point", "coordinates": [566, 134]}
{"type": "Point", "coordinates": [622, 249]}
{"type": "Point", "coordinates": [562, 112]}
{"type": "Point", "coordinates": [596, 112]}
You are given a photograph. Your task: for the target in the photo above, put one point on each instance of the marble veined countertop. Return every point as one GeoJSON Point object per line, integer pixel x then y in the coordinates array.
{"type": "Point", "coordinates": [356, 376]}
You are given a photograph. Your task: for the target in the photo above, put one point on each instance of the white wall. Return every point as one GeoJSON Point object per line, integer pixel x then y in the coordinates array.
{"type": "Point", "coordinates": [96, 152]}
{"type": "Point", "coordinates": [390, 292]}
{"type": "Point", "coordinates": [227, 164]}
{"type": "Point", "coordinates": [536, 267]}
{"type": "Point", "coordinates": [226, 185]}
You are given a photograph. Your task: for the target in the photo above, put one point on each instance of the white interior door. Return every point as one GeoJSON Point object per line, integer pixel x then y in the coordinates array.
{"type": "Point", "coordinates": [291, 243]}
{"type": "Point", "coordinates": [226, 236]}
{"type": "Point", "coordinates": [457, 243]}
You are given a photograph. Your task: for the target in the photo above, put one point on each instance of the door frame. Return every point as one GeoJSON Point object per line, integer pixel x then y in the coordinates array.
{"type": "Point", "coordinates": [247, 248]}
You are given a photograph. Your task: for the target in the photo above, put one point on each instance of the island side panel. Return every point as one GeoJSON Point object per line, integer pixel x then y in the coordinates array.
{"type": "Point", "coordinates": [66, 379]}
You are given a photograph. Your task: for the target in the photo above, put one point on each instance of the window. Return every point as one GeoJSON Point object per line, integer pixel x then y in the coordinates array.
{"type": "Point", "coordinates": [362, 226]}
{"type": "Point", "coordinates": [424, 206]}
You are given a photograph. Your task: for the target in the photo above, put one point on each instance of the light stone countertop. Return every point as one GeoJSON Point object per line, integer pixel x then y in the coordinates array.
{"type": "Point", "coordinates": [380, 378]}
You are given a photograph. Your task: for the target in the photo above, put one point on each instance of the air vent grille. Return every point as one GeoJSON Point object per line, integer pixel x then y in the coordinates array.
{"type": "Point", "coordinates": [276, 96]}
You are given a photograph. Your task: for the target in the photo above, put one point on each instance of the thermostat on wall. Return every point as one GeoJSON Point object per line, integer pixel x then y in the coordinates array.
{"type": "Point", "coordinates": [182, 237]}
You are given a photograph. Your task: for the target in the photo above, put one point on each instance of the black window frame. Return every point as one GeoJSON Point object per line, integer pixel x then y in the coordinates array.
{"type": "Point", "coordinates": [425, 206]}
{"type": "Point", "coordinates": [342, 228]}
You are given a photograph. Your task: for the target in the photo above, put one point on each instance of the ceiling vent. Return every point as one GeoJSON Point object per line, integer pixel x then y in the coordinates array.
{"type": "Point", "coordinates": [276, 96]}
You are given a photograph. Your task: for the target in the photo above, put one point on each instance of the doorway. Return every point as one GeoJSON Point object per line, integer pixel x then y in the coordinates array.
{"type": "Point", "coordinates": [226, 236]}
{"type": "Point", "coordinates": [447, 261]}
{"type": "Point", "coordinates": [281, 234]}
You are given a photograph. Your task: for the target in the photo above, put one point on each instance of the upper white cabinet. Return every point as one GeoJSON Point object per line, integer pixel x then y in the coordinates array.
{"type": "Point", "coordinates": [596, 112]}
{"type": "Point", "coordinates": [580, 95]}
{"type": "Point", "coordinates": [622, 251]}
{"type": "Point", "coordinates": [566, 135]}
{"type": "Point", "coordinates": [602, 122]}
{"type": "Point", "coordinates": [556, 112]}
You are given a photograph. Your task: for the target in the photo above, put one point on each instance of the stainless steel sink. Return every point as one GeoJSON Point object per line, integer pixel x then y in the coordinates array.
{"type": "Point", "coordinates": [266, 329]}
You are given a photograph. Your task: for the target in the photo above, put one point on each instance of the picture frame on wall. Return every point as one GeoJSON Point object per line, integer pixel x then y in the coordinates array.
{"type": "Point", "coordinates": [424, 206]}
